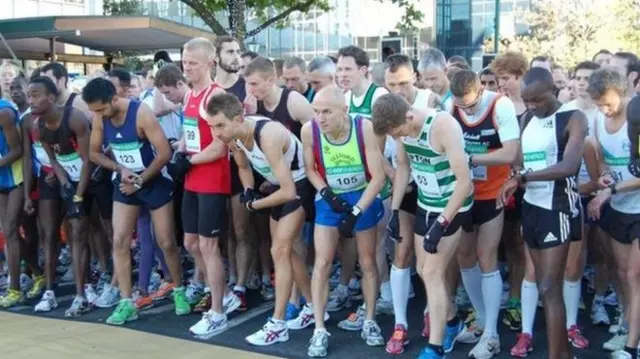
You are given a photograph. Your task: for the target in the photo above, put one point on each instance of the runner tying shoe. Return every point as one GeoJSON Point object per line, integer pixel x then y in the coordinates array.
{"type": "Point", "coordinates": [343, 164]}
{"type": "Point", "coordinates": [205, 161]}
{"type": "Point", "coordinates": [399, 79]}
{"type": "Point", "coordinates": [11, 197]}
{"type": "Point", "coordinates": [552, 141]}
{"type": "Point", "coordinates": [431, 150]}
{"type": "Point", "coordinates": [491, 133]}
{"type": "Point", "coordinates": [130, 131]}
{"type": "Point", "coordinates": [276, 154]}
{"type": "Point", "coordinates": [617, 204]}
{"type": "Point", "coordinates": [64, 135]}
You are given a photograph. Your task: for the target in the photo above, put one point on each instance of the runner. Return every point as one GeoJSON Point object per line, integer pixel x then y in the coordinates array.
{"type": "Point", "coordinates": [205, 161]}
{"type": "Point", "coordinates": [488, 80]}
{"type": "Point", "coordinates": [603, 57]}
{"type": "Point", "coordinates": [343, 164]}
{"type": "Point", "coordinates": [491, 134]}
{"type": "Point", "coordinates": [239, 250]}
{"type": "Point", "coordinates": [64, 135]}
{"type": "Point", "coordinates": [60, 76]}
{"type": "Point", "coordinates": [246, 59]}
{"type": "Point", "coordinates": [275, 153]}
{"type": "Point", "coordinates": [321, 73]}
{"type": "Point", "coordinates": [628, 65]}
{"type": "Point", "coordinates": [444, 201]}
{"type": "Point", "coordinates": [11, 197]}
{"type": "Point", "coordinates": [130, 131]}
{"type": "Point", "coordinates": [398, 78]}
{"type": "Point", "coordinates": [432, 69]}
{"type": "Point", "coordinates": [552, 141]}
{"type": "Point", "coordinates": [620, 217]}
{"type": "Point", "coordinates": [294, 74]}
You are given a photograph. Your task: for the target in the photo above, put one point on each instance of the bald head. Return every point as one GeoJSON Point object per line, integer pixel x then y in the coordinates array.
{"type": "Point", "coordinates": [330, 108]}
{"type": "Point", "coordinates": [331, 95]}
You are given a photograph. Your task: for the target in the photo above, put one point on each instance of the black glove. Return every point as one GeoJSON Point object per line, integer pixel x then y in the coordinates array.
{"type": "Point", "coordinates": [434, 235]}
{"type": "Point", "coordinates": [348, 222]}
{"type": "Point", "coordinates": [634, 168]}
{"type": "Point", "coordinates": [393, 227]}
{"type": "Point", "coordinates": [336, 203]}
{"type": "Point", "coordinates": [75, 209]}
{"type": "Point", "coordinates": [67, 191]}
{"type": "Point", "coordinates": [248, 197]}
{"type": "Point", "coordinates": [181, 164]}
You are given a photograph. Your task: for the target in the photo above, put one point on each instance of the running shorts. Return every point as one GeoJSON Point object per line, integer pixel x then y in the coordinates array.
{"type": "Point", "coordinates": [153, 194]}
{"type": "Point", "coordinates": [410, 200]}
{"type": "Point", "coordinates": [484, 211]}
{"type": "Point", "coordinates": [543, 228]}
{"type": "Point", "coordinates": [423, 222]}
{"type": "Point", "coordinates": [325, 216]}
{"type": "Point", "coordinates": [204, 213]}
{"type": "Point", "coordinates": [622, 227]}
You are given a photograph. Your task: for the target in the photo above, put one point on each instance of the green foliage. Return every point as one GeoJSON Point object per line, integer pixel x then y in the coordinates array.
{"type": "Point", "coordinates": [409, 23]}
{"type": "Point", "coordinates": [122, 7]}
{"type": "Point", "coordinates": [133, 63]}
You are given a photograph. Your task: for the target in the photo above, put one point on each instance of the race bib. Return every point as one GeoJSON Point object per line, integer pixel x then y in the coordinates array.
{"type": "Point", "coordinates": [41, 154]}
{"type": "Point", "coordinates": [192, 135]}
{"type": "Point", "coordinates": [128, 154]}
{"type": "Point", "coordinates": [536, 161]}
{"type": "Point", "coordinates": [479, 172]}
{"type": "Point", "coordinates": [346, 178]}
{"type": "Point", "coordinates": [428, 184]}
{"type": "Point", "coordinates": [72, 164]}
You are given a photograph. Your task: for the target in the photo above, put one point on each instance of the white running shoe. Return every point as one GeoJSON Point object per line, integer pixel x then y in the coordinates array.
{"type": "Point", "coordinates": [599, 315]}
{"type": "Point", "coordinates": [616, 343]}
{"type": "Point", "coordinates": [487, 347]}
{"type": "Point", "coordinates": [78, 307]}
{"type": "Point", "coordinates": [47, 303]}
{"type": "Point", "coordinates": [319, 344]}
{"type": "Point", "coordinates": [110, 297]}
{"type": "Point", "coordinates": [471, 334]}
{"type": "Point", "coordinates": [211, 324]}
{"type": "Point", "coordinates": [230, 303]}
{"type": "Point", "coordinates": [90, 293]}
{"type": "Point", "coordinates": [621, 354]}
{"type": "Point", "coordinates": [305, 319]}
{"type": "Point", "coordinates": [272, 332]}
{"type": "Point", "coordinates": [372, 334]}
{"type": "Point", "coordinates": [384, 307]}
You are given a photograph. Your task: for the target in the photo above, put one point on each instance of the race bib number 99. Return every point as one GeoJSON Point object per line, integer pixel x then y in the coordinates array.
{"type": "Point", "coordinates": [192, 135]}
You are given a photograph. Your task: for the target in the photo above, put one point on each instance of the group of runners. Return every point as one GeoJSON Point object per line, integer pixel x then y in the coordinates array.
{"type": "Point", "coordinates": [261, 169]}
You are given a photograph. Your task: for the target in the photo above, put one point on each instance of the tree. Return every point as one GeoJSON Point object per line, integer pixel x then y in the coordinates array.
{"type": "Point", "coordinates": [568, 34]}
{"type": "Point", "coordinates": [276, 13]}
{"type": "Point", "coordinates": [627, 24]}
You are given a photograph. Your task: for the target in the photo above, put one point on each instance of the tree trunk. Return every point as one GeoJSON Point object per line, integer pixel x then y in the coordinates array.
{"type": "Point", "coordinates": [237, 10]}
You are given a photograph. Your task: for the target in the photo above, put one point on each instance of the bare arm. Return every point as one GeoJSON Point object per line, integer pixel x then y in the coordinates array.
{"type": "Point", "coordinates": [591, 163]}
{"type": "Point", "coordinates": [386, 164]}
{"type": "Point", "coordinates": [503, 156]}
{"type": "Point", "coordinates": [374, 164]}
{"type": "Point", "coordinates": [27, 160]}
{"type": "Point", "coordinates": [8, 122]}
{"type": "Point", "coordinates": [570, 163]}
{"type": "Point", "coordinates": [299, 108]}
{"type": "Point", "coordinates": [95, 146]}
{"type": "Point", "coordinates": [402, 177]}
{"type": "Point", "coordinates": [79, 125]}
{"type": "Point", "coordinates": [273, 139]}
{"type": "Point", "coordinates": [59, 171]}
{"type": "Point", "coordinates": [450, 135]}
{"type": "Point", "coordinates": [309, 159]}
{"type": "Point", "coordinates": [161, 106]}
{"type": "Point", "coordinates": [244, 169]}
{"type": "Point", "coordinates": [148, 123]}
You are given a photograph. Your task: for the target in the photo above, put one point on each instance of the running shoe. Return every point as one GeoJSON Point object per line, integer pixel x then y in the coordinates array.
{"type": "Point", "coordinates": [230, 303]}
{"type": "Point", "coordinates": [105, 278]}
{"type": "Point", "coordinates": [38, 287]}
{"type": "Point", "coordinates": [611, 300]}
{"type": "Point", "coordinates": [428, 353]}
{"type": "Point", "coordinates": [271, 333]}
{"type": "Point", "coordinates": [26, 283]}
{"type": "Point", "coordinates": [109, 297]}
{"type": "Point", "coordinates": [125, 312]}
{"type": "Point", "coordinates": [291, 311]}
{"type": "Point", "coordinates": [471, 334]}
{"type": "Point", "coordinates": [487, 347]}
{"type": "Point", "coordinates": [142, 301]}
{"type": "Point", "coordinates": [154, 282]}
{"type": "Point", "coordinates": [398, 340]}
{"type": "Point", "coordinates": [576, 338]}
{"type": "Point", "coordinates": [319, 344]}
{"type": "Point", "coordinates": [204, 304]}
{"type": "Point", "coordinates": [355, 321]}
{"type": "Point", "coordinates": [384, 307]}
{"type": "Point", "coordinates": [268, 292]}
{"type": "Point", "coordinates": [305, 319]}
{"type": "Point", "coordinates": [180, 301]}
{"type": "Point", "coordinates": [243, 300]}
{"type": "Point", "coordinates": [194, 292]}
{"type": "Point", "coordinates": [621, 354]}
{"type": "Point", "coordinates": [512, 315]}
{"type": "Point", "coordinates": [618, 322]}
{"type": "Point", "coordinates": [253, 281]}
{"type": "Point", "coordinates": [524, 346]}
{"type": "Point", "coordinates": [462, 298]}
{"type": "Point", "coordinates": [78, 307]}
{"type": "Point", "coordinates": [47, 303]}
{"type": "Point", "coordinates": [164, 292]}
{"type": "Point", "coordinates": [617, 342]}
{"type": "Point", "coordinates": [210, 325]}
{"type": "Point", "coordinates": [372, 334]}
{"type": "Point", "coordinates": [338, 299]}
{"type": "Point", "coordinates": [12, 298]}
{"type": "Point", "coordinates": [451, 333]}
{"type": "Point", "coordinates": [90, 293]}
{"type": "Point", "coordinates": [599, 315]}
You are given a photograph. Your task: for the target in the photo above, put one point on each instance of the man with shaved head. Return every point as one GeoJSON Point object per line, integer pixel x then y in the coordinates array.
{"type": "Point", "coordinates": [552, 142]}
{"type": "Point", "coordinates": [343, 163]}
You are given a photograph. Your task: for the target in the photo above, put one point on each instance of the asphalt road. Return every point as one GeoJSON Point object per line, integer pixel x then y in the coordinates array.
{"type": "Point", "coordinates": [160, 319]}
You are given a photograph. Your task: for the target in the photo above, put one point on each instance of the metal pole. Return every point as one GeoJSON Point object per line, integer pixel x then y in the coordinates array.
{"type": "Point", "coordinates": [52, 49]}
{"type": "Point", "coordinates": [496, 40]}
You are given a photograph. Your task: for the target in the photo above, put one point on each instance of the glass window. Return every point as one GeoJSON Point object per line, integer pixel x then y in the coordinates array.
{"type": "Point", "coordinates": [74, 1]}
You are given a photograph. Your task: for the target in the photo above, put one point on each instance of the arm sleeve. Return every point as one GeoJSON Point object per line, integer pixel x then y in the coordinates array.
{"type": "Point", "coordinates": [506, 120]}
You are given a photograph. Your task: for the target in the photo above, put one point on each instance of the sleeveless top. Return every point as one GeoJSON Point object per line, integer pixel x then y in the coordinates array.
{"type": "Point", "coordinates": [482, 137]}
{"type": "Point", "coordinates": [239, 89]}
{"type": "Point", "coordinates": [342, 165]}
{"type": "Point", "coordinates": [128, 149]}
{"type": "Point", "coordinates": [212, 177]}
{"type": "Point", "coordinates": [10, 175]}
{"type": "Point", "coordinates": [64, 144]}
{"type": "Point", "coordinates": [258, 160]}
{"type": "Point", "coordinates": [431, 171]}
{"type": "Point", "coordinates": [543, 142]}
{"type": "Point", "coordinates": [281, 113]}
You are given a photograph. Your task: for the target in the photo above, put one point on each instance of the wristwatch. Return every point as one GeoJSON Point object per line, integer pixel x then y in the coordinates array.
{"type": "Point", "coordinates": [523, 174]}
{"type": "Point", "coordinates": [442, 221]}
{"type": "Point", "coordinates": [470, 161]}
{"type": "Point", "coordinates": [356, 211]}
{"type": "Point", "coordinates": [612, 187]}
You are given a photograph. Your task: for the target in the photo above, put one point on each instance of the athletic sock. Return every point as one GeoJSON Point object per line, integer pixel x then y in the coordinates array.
{"type": "Point", "coordinates": [571, 296]}
{"type": "Point", "coordinates": [400, 279]}
{"type": "Point", "coordinates": [385, 291]}
{"type": "Point", "coordinates": [529, 301]}
{"type": "Point", "coordinates": [492, 296]}
{"type": "Point", "coordinates": [239, 288]}
{"type": "Point", "coordinates": [472, 280]}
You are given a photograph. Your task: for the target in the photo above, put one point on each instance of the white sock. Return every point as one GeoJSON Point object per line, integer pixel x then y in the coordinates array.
{"type": "Point", "coordinates": [529, 302]}
{"type": "Point", "coordinates": [385, 291]}
{"type": "Point", "coordinates": [571, 295]}
{"type": "Point", "coordinates": [492, 296]}
{"type": "Point", "coordinates": [400, 279]}
{"type": "Point", "coordinates": [472, 280]}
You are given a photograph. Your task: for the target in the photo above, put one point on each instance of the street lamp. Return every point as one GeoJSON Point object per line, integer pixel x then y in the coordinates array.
{"type": "Point", "coordinates": [253, 45]}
